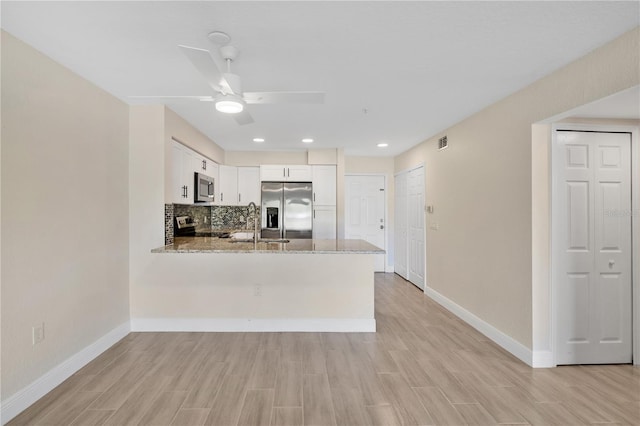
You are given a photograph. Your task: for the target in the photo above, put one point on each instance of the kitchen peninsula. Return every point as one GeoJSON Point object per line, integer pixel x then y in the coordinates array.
{"type": "Point", "coordinates": [215, 284]}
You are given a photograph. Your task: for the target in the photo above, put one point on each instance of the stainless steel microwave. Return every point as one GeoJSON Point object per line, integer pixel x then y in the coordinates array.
{"type": "Point", "coordinates": [204, 188]}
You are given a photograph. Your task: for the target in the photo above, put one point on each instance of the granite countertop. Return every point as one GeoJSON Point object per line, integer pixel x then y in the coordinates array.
{"type": "Point", "coordinates": [225, 245]}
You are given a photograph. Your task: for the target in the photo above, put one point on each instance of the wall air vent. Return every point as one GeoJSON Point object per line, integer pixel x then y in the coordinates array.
{"type": "Point", "coordinates": [442, 143]}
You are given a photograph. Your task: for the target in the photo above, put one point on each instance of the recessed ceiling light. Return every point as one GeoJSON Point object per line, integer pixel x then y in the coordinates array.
{"type": "Point", "coordinates": [383, 145]}
{"type": "Point", "coordinates": [258, 139]}
{"type": "Point", "coordinates": [307, 140]}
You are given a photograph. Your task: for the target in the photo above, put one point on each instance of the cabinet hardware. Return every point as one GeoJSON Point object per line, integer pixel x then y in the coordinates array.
{"type": "Point", "coordinates": [314, 214]}
{"type": "Point", "coordinates": [314, 197]}
{"type": "Point", "coordinates": [204, 164]}
{"type": "Point", "coordinates": [221, 197]}
{"type": "Point", "coordinates": [239, 198]}
{"type": "Point", "coordinates": [288, 172]}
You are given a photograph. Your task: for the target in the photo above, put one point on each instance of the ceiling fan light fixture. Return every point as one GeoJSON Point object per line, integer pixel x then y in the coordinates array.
{"type": "Point", "coordinates": [229, 104]}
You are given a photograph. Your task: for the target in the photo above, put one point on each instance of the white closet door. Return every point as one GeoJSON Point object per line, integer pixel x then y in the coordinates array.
{"type": "Point", "coordinates": [416, 231]}
{"type": "Point", "coordinates": [593, 276]}
{"type": "Point", "coordinates": [401, 225]}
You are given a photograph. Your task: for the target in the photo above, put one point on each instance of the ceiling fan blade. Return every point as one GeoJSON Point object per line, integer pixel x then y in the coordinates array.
{"type": "Point", "coordinates": [284, 97]}
{"type": "Point", "coordinates": [204, 62]}
{"type": "Point", "coordinates": [243, 117]}
{"type": "Point", "coordinates": [171, 99]}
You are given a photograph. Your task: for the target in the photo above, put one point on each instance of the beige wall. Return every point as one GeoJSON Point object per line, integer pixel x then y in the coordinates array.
{"type": "Point", "coordinates": [64, 213]}
{"type": "Point", "coordinates": [258, 158]}
{"type": "Point", "coordinates": [481, 257]}
{"type": "Point", "coordinates": [379, 166]}
{"type": "Point", "coordinates": [178, 128]}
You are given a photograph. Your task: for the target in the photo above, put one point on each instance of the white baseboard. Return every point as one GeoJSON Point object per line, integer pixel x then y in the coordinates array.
{"type": "Point", "coordinates": [509, 344]}
{"type": "Point", "coordinates": [22, 399]}
{"type": "Point", "coordinates": [347, 325]}
{"type": "Point", "coordinates": [543, 359]}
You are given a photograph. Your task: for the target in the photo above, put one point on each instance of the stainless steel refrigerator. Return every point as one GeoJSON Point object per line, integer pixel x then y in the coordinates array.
{"type": "Point", "coordinates": [287, 210]}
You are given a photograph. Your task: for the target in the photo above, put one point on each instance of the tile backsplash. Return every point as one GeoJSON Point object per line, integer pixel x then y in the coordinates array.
{"type": "Point", "coordinates": [232, 217]}
{"type": "Point", "coordinates": [209, 218]}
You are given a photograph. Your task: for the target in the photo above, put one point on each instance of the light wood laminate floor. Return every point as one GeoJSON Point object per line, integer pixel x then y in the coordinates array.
{"type": "Point", "coordinates": [423, 367]}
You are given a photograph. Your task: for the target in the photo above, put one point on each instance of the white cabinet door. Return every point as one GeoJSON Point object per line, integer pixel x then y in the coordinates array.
{"type": "Point", "coordinates": [183, 161]}
{"type": "Point", "coordinates": [213, 171]}
{"type": "Point", "coordinates": [324, 185]}
{"type": "Point", "coordinates": [228, 185]}
{"type": "Point", "coordinates": [284, 173]}
{"type": "Point", "coordinates": [248, 185]}
{"type": "Point", "coordinates": [178, 189]}
{"type": "Point", "coordinates": [299, 173]}
{"type": "Point", "coordinates": [273, 173]}
{"type": "Point", "coordinates": [324, 222]}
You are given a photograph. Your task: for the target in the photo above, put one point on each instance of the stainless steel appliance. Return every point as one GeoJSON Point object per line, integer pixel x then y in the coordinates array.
{"type": "Point", "coordinates": [287, 210]}
{"type": "Point", "coordinates": [204, 188]}
{"type": "Point", "coordinates": [184, 226]}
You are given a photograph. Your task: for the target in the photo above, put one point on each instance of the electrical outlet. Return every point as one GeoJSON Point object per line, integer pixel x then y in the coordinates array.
{"type": "Point", "coordinates": [37, 333]}
{"type": "Point", "coordinates": [257, 290]}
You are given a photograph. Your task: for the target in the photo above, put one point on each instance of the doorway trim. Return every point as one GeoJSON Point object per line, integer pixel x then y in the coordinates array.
{"type": "Point", "coordinates": [635, 229]}
{"type": "Point", "coordinates": [387, 267]}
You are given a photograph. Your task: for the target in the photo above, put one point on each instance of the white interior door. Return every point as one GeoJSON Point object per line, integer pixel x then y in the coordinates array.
{"type": "Point", "coordinates": [593, 245]}
{"type": "Point", "coordinates": [401, 226]}
{"type": "Point", "coordinates": [415, 235]}
{"type": "Point", "coordinates": [365, 212]}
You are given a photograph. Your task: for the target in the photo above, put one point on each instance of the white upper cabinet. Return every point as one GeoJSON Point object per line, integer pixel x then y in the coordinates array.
{"type": "Point", "coordinates": [249, 185]}
{"type": "Point", "coordinates": [183, 161]}
{"type": "Point", "coordinates": [228, 187]}
{"type": "Point", "coordinates": [273, 173]}
{"type": "Point", "coordinates": [238, 186]}
{"type": "Point", "coordinates": [324, 185]}
{"type": "Point", "coordinates": [299, 173]}
{"type": "Point", "coordinates": [291, 173]}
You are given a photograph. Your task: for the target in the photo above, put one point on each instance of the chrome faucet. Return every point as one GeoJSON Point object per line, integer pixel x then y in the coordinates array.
{"type": "Point", "coordinates": [255, 220]}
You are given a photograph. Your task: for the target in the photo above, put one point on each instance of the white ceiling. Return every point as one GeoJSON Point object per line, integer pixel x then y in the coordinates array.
{"type": "Point", "coordinates": [416, 67]}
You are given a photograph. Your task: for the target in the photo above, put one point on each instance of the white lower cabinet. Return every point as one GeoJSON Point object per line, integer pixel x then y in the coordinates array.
{"type": "Point", "coordinates": [324, 222]}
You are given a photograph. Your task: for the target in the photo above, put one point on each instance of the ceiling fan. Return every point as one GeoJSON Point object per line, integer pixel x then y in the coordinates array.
{"type": "Point", "coordinates": [229, 96]}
